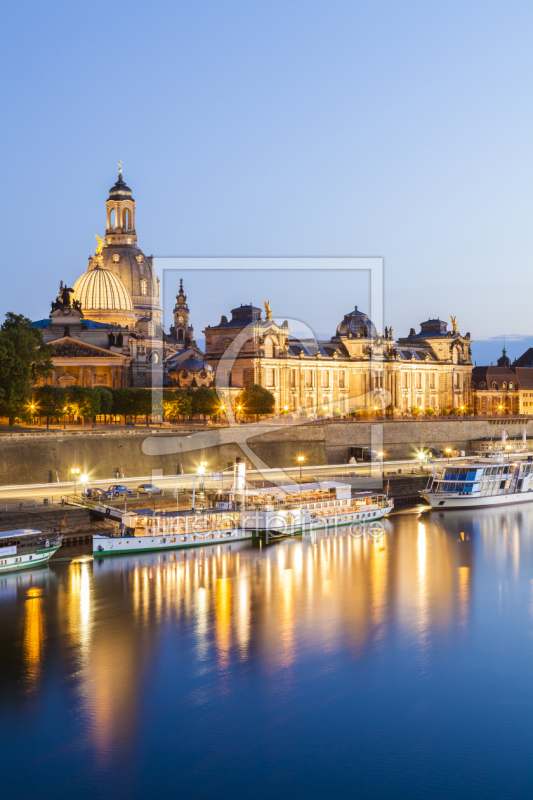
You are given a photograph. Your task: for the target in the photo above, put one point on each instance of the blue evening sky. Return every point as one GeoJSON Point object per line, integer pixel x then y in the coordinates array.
{"type": "Point", "coordinates": [294, 127]}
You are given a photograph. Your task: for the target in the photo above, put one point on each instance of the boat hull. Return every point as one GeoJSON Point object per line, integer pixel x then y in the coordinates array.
{"type": "Point", "coordinates": [117, 545]}
{"type": "Point", "coordinates": [437, 502]}
{"type": "Point", "coordinates": [27, 561]}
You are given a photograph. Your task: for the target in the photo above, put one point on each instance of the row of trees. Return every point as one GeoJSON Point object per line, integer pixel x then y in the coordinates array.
{"type": "Point", "coordinates": [55, 402]}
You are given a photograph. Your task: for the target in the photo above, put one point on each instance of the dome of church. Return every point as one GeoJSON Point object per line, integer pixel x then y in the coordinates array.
{"type": "Point", "coordinates": [356, 323]}
{"type": "Point", "coordinates": [120, 191]}
{"type": "Point", "coordinates": [103, 296]}
{"type": "Point", "coordinates": [192, 364]}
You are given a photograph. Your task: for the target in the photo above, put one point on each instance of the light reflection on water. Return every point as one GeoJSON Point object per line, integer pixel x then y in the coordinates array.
{"type": "Point", "coordinates": [333, 641]}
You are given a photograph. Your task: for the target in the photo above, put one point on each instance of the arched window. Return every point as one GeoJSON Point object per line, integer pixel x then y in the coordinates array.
{"type": "Point", "coordinates": [494, 385]}
{"type": "Point", "coordinates": [144, 286]}
{"type": "Point", "coordinates": [151, 329]}
{"type": "Point", "coordinates": [112, 218]}
{"type": "Point", "coordinates": [510, 384]}
{"type": "Point", "coordinates": [180, 335]}
{"type": "Point", "coordinates": [504, 385]}
{"type": "Point", "coordinates": [127, 218]}
{"type": "Point", "coordinates": [482, 385]}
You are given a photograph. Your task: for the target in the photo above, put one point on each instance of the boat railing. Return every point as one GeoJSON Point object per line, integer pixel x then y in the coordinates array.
{"type": "Point", "coordinates": [39, 543]}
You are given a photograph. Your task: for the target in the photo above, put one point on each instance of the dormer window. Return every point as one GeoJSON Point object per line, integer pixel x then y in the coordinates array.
{"type": "Point", "coordinates": [510, 384]}
{"type": "Point", "coordinates": [504, 385]}
{"type": "Point", "coordinates": [151, 329]}
{"type": "Point", "coordinates": [144, 286]}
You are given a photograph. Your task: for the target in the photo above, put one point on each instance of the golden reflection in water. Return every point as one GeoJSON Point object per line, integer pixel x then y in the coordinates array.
{"type": "Point", "coordinates": [464, 594]}
{"type": "Point", "coordinates": [79, 608]}
{"type": "Point", "coordinates": [379, 568]}
{"type": "Point", "coordinates": [287, 617]}
{"type": "Point", "coordinates": [223, 620]}
{"type": "Point", "coordinates": [242, 600]}
{"type": "Point", "coordinates": [33, 635]}
{"type": "Point", "coordinates": [422, 581]}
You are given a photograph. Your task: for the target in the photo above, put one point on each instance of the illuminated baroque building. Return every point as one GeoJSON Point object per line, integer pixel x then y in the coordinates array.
{"type": "Point", "coordinates": [106, 330]}
{"type": "Point", "coordinates": [356, 369]}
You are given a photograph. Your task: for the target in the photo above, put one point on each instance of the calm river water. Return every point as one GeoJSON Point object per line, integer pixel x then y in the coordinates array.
{"type": "Point", "coordinates": [339, 667]}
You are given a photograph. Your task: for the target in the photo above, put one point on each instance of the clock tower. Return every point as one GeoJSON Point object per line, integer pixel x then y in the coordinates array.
{"type": "Point", "coordinates": [181, 331]}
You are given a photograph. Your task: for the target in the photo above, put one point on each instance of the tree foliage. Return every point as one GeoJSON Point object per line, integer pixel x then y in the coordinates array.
{"type": "Point", "coordinates": [257, 400]}
{"type": "Point", "coordinates": [24, 358]}
{"type": "Point", "coordinates": [83, 401]}
{"type": "Point", "coordinates": [204, 401]}
{"type": "Point", "coordinates": [49, 401]}
{"type": "Point", "coordinates": [106, 399]}
{"type": "Point", "coordinates": [176, 404]}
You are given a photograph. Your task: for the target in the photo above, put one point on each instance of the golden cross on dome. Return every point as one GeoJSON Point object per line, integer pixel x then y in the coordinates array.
{"type": "Point", "coordinates": [120, 168]}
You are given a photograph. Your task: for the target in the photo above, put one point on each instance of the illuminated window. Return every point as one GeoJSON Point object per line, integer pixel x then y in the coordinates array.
{"type": "Point", "coordinates": [341, 379]}
{"type": "Point", "coordinates": [144, 286]}
{"type": "Point", "coordinates": [126, 218]}
{"type": "Point", "coordinates": [151, 329]}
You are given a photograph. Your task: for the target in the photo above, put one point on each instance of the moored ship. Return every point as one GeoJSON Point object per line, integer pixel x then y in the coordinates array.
{"type": "Point", "coordinates": [25, 549]}
{"type": "Point", "coordinates": [244, 513]}
{"type": "Point", "coordinates": [489, 481]}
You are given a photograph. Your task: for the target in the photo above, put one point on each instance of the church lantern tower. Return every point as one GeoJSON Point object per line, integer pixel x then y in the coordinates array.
{"type": "Point", "coordinates": [119, 253]}
{"type": "Point", "coordinates": [120, 207]}
{"type": "Point", "coordinates": [181, 331]}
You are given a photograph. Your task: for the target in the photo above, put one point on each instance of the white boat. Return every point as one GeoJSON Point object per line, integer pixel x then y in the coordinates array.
{"type": "Point", "coordinates": [489, 481]}
{"type": "Point", "coordinates": [244, 513]}
{"type": "Point", "coordinates": [25, 549]}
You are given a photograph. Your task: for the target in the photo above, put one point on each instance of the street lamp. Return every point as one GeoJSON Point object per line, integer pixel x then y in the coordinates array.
{"type": "Point", "coordinates": [300, 461]}
{"type": "Point", "coordinates": [84, 479]}
{"type": "Point", "coordinates": [201, 473]}
{"type": "Point", "coordinates": [463, 410]}
{"type": "Point", "coordinates": [448, 451]}
{"type": "Point", "coordinates": [75, 472]}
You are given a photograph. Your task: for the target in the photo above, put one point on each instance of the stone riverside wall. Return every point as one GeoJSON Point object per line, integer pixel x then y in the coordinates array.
{"type": "Point", "coordinates": [26, 457]}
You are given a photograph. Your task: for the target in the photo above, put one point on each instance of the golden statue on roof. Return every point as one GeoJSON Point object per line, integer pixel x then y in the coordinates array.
{"type": "Point", "coordinates": [100, 246]}
{"type": "Point", "coordinates": [268, 312]}
{"type": "Point", "coordinates": [455, 325]}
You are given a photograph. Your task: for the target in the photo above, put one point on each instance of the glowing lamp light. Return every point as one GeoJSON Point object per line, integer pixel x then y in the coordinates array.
{"type": "Point", "coordinates": [448, 450]}
{"type": "Point", "coordinates": [381, 454]}
{"type": "Point", "coordinates": [84, 478]}
{"type": "Point", "coordinates": [300, 458]}
{"type": "Point", "coordinates": [239, 408]}
{"type": "Point", "coordinates": [285, 408]}
{"type": "Point", "coordinates": [75, 471]}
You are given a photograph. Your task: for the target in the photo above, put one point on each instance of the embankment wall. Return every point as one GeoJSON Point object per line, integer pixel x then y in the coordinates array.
{"type": "Point", "coordinates": [27, 458]}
